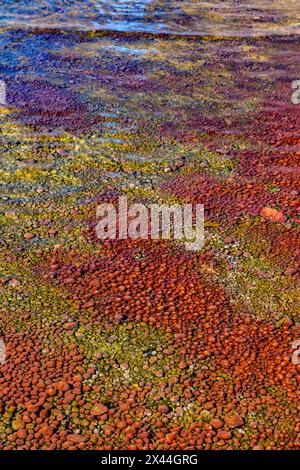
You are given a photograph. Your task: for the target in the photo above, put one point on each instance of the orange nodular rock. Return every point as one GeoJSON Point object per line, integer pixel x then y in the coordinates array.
{"type": "Point", "coordinates": [272, 214]}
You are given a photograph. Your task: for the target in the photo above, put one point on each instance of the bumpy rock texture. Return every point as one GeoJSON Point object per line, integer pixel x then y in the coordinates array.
{"type": "Point", "coordinates": [142, 344]}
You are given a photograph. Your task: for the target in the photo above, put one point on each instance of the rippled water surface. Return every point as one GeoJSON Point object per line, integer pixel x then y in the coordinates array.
{"type": "Point", "coordinates": [222, 17]}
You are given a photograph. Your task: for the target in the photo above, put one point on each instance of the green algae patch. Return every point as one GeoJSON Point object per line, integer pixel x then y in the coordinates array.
{"type": "Point", "coordinates": [254, 279]}
{"type": "Point", "coordinates": [124, 351]}
{"type": "Point", "coordinates": [29, 303]}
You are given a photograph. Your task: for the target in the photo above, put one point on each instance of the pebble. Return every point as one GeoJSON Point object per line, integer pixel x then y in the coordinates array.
{"type": "Point", "coordinates": [99, 409]}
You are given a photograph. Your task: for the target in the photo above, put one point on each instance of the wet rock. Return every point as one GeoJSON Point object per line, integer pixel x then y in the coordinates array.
{"type": "Point", "coordinates": [226, 435]}
{"type": "Point", "coordinates": [234, 421]}
{"type": "Point", "coordinates": [217, 423]}
{"type": "Point", "coordinates": [272, 214]}
{"type": "Point", "coordinates": [99, 409]}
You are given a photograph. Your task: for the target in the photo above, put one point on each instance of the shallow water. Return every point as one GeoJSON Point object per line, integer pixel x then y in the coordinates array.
{"type": "Point", "coordinates": [166, 102]}
{"type": "Point", "coordinates": [216, 18]}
